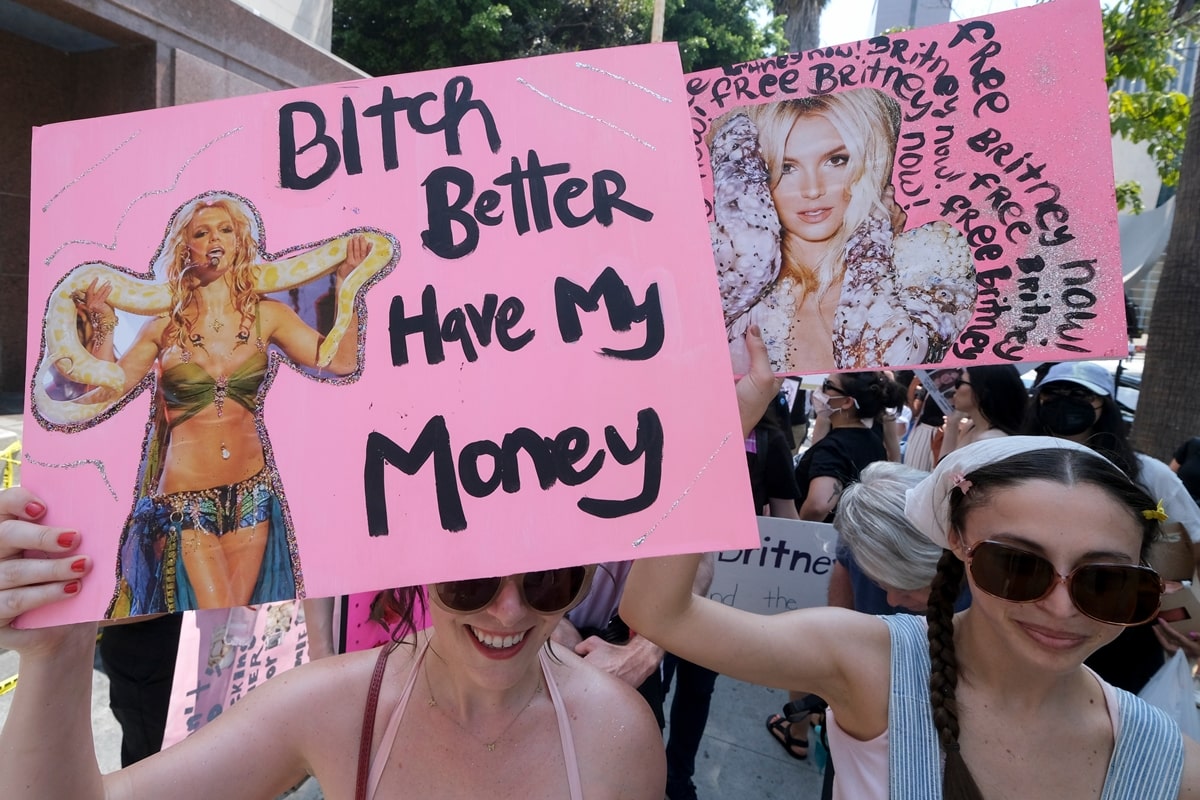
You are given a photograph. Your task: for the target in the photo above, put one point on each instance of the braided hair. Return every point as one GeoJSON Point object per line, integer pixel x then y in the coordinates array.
{"type": "Point", "coordinates": [957, 781]}
{"type": "Point", "coordinates": [1063, 466]}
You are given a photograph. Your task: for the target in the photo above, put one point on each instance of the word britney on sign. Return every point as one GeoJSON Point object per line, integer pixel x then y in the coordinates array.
{"type": "Point", "coordinates": [791, 559]}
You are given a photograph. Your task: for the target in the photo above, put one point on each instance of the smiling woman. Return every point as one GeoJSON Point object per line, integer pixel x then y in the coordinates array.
{"type": "Point", "coordinates": [477, 705]}
{"type": "Point", "coordinates": [1050, 538]}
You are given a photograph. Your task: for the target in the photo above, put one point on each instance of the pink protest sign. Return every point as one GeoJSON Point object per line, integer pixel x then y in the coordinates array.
{"type": "Point", "coordinates": [224, 654]}
{"type": "Point", "coordinates": [379, 333]}
{"type": "Point", "coordinates": [361, 621]}
{"type": "Point", "coordinates": [941, 195]}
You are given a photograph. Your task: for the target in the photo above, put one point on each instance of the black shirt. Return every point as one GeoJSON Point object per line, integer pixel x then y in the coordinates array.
{"type": "Point", "coordinates": [842, 454]}
{"type": "Point", "coordinates": [770, 467]}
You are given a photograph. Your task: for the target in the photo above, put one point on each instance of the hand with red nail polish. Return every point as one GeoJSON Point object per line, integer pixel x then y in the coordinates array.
{"type": "Point", "coordinates": [29, 582]}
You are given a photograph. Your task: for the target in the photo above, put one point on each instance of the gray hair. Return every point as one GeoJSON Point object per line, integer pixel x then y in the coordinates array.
{"type": "Point", "coordinates": [870, 521]}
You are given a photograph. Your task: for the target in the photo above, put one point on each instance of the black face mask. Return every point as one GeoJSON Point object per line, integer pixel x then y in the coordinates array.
{"type": "Point", "coordinates": [1065, 416]}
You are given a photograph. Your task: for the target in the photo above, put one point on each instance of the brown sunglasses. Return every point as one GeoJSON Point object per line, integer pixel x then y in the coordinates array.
{"type": "Point", "coordinates": [551, 591]}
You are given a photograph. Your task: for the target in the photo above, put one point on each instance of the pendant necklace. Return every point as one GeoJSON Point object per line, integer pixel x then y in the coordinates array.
{"type": "Point", "coordinates": [491, 746]}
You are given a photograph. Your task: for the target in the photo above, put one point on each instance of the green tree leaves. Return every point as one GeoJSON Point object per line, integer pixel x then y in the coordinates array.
{"type": "Point", "coordinates": [1143, 40]}
{"type": "Point", "coordinates": [385, 37]}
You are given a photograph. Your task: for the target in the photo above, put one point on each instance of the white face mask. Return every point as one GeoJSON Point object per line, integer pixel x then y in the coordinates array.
{"type": "Point", "coordinates": [820, 401]}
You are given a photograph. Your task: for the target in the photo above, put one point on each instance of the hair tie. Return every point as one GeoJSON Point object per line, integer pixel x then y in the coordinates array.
{"type": "Point", "coordinates": [1156, 513]}
{"type": "Point", "coordinates": [964, 485]}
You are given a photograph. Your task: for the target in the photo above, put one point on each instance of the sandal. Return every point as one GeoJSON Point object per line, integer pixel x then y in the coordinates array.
{"type": "Point", "coordinates": [809, 707]}
{"type": "Point", "coordinates": [780, 728]}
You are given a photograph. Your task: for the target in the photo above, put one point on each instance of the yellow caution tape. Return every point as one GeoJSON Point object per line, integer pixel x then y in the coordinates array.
{"type": "Point", "coordinates": [8, 684]}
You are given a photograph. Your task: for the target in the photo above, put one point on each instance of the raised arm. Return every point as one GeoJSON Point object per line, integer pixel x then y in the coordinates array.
{"type": "Point", "coordinates": [759, 386]}
{"type": "Point", "coordinates": [841, 655]}
{"type": "Point", "coordinates": [135, 362]}
{"type": "Point", "coordinates": [46, 747]}
{"type": "Point", "coordinates": [952, 432]}
{"type": "Point", "coordinates": [93, 305]}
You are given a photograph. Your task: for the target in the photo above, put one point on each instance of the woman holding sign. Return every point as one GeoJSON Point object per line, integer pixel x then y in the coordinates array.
{"type": "Point", "coordinates": [808, 239]}
{"type": "Point", "coordinates": [476, 706]}
{"type": "Point", "coordinates": [209, 528]}
{"type": "Point", "coordinates": [1050, 538]}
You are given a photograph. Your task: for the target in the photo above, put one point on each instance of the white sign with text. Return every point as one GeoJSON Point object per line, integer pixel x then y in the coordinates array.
{"type": "Point", "coordinates": [789, 571]}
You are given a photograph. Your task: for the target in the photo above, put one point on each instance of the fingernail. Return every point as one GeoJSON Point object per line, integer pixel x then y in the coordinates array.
{"type": "Point", "coordinates": [67, 540]}
{"type": "Point", "coordinates": [79, 565]}
{"type": "Point", "coordinates": [71, 588]}
{"type": "Point", "coordinates": [34, 509]}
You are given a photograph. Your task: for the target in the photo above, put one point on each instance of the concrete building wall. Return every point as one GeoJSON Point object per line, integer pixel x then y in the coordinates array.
{"type": "Point", "coordinates": [32, 93]}
{"type": "Point", "coordinates": [73, 59]}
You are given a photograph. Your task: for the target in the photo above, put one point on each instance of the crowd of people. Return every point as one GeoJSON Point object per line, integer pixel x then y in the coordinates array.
{"type": "Point", "coordinates": [961, 496]}
{"type": "Point", "coordinates": [993, 604]}
{"type": "Point", "coordinates": [948, 662]}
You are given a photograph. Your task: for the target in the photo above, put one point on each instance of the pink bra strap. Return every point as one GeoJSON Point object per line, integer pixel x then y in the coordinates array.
{"type": "Point", "coordinates": [369, 774]}
{"type": "Point", "coordinates": [564, 729]}
{"type": "Point", "coordinates": [389, 733]}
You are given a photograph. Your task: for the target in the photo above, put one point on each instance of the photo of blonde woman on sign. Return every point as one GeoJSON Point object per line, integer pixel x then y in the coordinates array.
{"type": "Point", "coordinates": [810, 243]}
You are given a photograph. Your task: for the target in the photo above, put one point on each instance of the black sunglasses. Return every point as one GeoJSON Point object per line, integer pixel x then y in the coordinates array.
{"type": "Point", "coordinates": [1069, 391]}
{"type": "Point", "coordinates": [828, 387]}
{"type": "Point", "coordinates": [1116, 594]}
{"type": "Point", "coordinates": [547, 592]}
{"type": "Point", "coordinates": [961, 382]}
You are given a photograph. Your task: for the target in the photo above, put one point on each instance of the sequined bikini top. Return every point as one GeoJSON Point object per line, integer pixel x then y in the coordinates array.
{"type": "Point", "coordinates": [188, 389]}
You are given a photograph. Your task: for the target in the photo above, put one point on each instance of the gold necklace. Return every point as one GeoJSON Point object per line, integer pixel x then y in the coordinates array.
{"type": "Point", "coordinates": [491, 746]}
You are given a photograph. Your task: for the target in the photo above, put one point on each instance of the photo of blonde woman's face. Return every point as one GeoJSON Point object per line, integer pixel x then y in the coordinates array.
{"type": "Point", "coordinates": [814, 186]}
{"type": "Point", "coordinates": [211, 236]}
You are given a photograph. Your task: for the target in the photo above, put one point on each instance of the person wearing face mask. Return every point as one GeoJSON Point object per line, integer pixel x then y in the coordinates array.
{"type": "Point", "coordinates": [1075, 401]}
{"type": "Point", "coordinates": [850, 401]}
